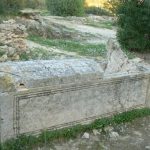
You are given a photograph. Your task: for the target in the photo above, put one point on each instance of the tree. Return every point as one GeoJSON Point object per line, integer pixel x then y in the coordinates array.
{"type": "Point", "coordinates": [134, 25]}
{"type": "Point", "coordinates": [66, 7]}
{"type": "Point", "coordinates": [10, 6]}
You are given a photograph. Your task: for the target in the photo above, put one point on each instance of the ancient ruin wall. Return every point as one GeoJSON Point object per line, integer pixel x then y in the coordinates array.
{"type": "Point", "coordinates": [39, 95]}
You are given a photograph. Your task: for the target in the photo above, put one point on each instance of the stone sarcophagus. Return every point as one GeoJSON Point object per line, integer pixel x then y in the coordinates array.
{"type": "Point", "coordinates": [40, 95]}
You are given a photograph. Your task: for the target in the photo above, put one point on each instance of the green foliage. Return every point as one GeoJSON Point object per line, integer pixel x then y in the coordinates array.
{"type": "Point", "coordinates": [2, 6]}
{"type": "Point", "coordinates": [101, 24]}
{"type": "Point", "coordinates": [72, 46]}
{"type": "Point", "coordinates": [30, 4]}
{"type": "Point", "coordinates": [130, 54]}
{"type": "Point", "coordinates": [35, 4]}
{"type": "Point", "coordinates": [66, 7]}
{"type": "Point", "coordinates": [112, 5]}
{"type": "Point", "coordinates": [10, 6]}
{"type": "Point", "coordinates": [2, 52]}
{"type": "Point", "coordinates": [134, 25]}
{"type": "Point", "coordinates": [97, 11]}
{"type": "Point", "coordinates": [25, 142]}
{"type": "Point", "coordinates": [37, 54]}
{"type": "Point", "coordinates": [13, 6]}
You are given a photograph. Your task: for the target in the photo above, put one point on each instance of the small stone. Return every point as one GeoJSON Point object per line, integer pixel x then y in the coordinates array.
{"type": "Point", "coordinates": [16, 57]}
{"type": "Point", "coordinates": [3, 58]}
{"type": "Point", "coordinates": [137, 133]}
{"type": "Point", "coordinates": [96, 132]}
{"type": "Point", "coordinates": [137, 60]}
{"type": "Point", "coordinates": [147, 147]}
{"type": "Point", "coordinates": [108, 129]}
{"type": "Point", "coordinates": [114, 135]}
{"type": "Point", "coordinates": [86, 135]}
{"type": "Point", "coordinates": [13, 38]}
{"type": "Point", "coordinates": [11, 51]}
{"type": "Point", "coordinates": [4, 47]}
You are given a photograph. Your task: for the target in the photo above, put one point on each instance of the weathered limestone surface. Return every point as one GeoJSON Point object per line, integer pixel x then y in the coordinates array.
{"type": "Point", "coordinates": [39, 95]}
{"type": "Point", "coordinates": [118, 60]}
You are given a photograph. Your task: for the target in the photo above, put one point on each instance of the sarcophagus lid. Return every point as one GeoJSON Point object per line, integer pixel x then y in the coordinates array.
{"type": "Point", "coordinates": [35, 74]}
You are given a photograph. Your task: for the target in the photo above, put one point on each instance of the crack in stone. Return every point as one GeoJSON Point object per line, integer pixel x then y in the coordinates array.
{"type": "Point", "coordinates": [10, 73]}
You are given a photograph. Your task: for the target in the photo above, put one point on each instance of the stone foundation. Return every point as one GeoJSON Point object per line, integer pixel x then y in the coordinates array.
{"type": "Point", "coordinates": [39, 95]}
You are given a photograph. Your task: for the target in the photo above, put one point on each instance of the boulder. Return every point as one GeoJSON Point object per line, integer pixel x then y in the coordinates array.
{"type": "Point", "coordinates": [117, 60]}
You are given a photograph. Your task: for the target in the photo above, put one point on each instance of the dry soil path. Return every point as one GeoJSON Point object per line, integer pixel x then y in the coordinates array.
{"type": "Point", "coordinates": [105, 34]}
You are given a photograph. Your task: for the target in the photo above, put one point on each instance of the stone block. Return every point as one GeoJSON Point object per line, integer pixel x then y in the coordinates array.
{"type": "Point", "coordinates": [39, 95]}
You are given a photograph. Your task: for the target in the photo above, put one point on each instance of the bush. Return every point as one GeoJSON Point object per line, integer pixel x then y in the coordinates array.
{"type": "Point", "coordinates": [66, 7]}
{"type": "Point", "coordinates": [34, 4]}
{"type": "Point", "coordinates": [10, 6]}
{"type": "Point", "coordinates": [96, 11]}
{"type": "Point", "coordinates": [13, 6]}
{"type": "Point", "coordinates": [112, 5]}
{"type": "Point", "coordinates": [134, 25]}
{"type": "Point", "coordinates": [2, 6]}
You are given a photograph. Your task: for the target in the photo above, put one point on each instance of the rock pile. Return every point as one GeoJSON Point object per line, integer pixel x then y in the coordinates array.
{"type": "Point", "coordinates": [12, 40]}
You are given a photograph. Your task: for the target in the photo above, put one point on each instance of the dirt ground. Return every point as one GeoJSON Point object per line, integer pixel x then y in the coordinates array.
{"type": "Point", "coordinates": [129, 136]}
{"type": "Point", "coordinates": [79, 25]}
{"type": "Point", "coordinates": [145, 56]}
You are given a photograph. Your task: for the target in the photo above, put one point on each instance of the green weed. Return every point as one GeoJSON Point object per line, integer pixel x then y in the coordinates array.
{"type": "Point", "coordinates": [102, 24]}
{"type": "Point", "coordinates": [130, 54]}
{"type": "Point", "coordinates": [1, 52]}
{"type": "Point", "coordinates": [37, 54]}
{"type": "Point", "coordinates": [83, 49]}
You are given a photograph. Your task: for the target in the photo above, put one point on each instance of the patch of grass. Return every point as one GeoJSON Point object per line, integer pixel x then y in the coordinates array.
{"type": "Point", "coordinates": [1, 53]}
{"type": "Point", "coordinates": [66, 7]}
{"type": "Point", "coordinates": [25, 142]}
{"type": "Point", "coordinates": [130, 54]}
{"type": "Point", "coordinates": [72, 46]}
{"type": "Point", "coordinates": [102, 24]}
{"type": "Point", "coordinates": [45, 13]}
{"type": "Point", "coordinates": [37, 54]}
{"type": "Point", "coordinates": [6, 17]}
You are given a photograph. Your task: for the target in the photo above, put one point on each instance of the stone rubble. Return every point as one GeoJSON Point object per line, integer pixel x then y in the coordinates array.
{"type": "Point", "coordinates": [38, 25]}
{"type": "Point", "coordinates": [114, 135]}
{"type": "Point", "coordinates": [108, 129]}
{"type": "Point", "coordinates": [12, 40]}
{"type": "Point", "coordinates": [86, 135]}
{"type": "Point", "coordinates": [125, 141]}
{"type": "Point", "coordinates": [96, 132]}
{"type": "Point", "coordinates": [147, 147]}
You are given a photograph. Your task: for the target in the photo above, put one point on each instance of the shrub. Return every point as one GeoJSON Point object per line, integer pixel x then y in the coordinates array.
{"type": "Point", "coordinates": [2, 6]}
{"type": "Point", "coordinates": [112, 5]}
{"type": "Point", "coordinates": [10, 6]}
{"type": "Point", "coordinates": [34, 4]}
{"type": "Point", "coordinates": [134, 25]}
{"type": "Point", "coordinates": [66, 7]}
{"type": "Point", "coordinates": [13, 6]}
{"type": "Point", "coordinates": [96, 11]}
